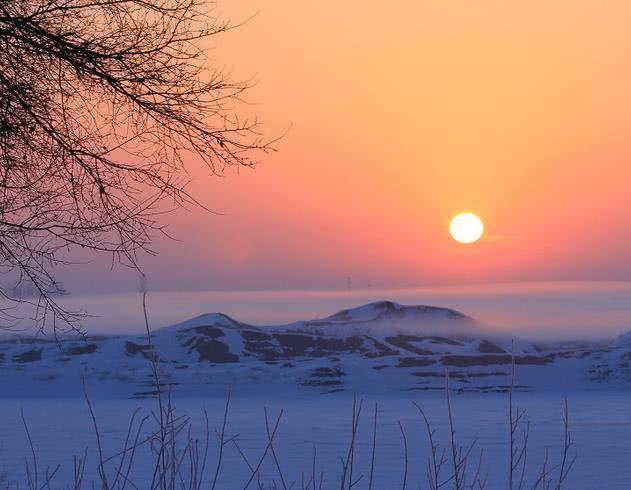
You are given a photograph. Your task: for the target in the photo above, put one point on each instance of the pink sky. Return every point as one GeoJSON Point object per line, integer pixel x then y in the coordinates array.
{"type": "Point", "coordinates": [401, 115]}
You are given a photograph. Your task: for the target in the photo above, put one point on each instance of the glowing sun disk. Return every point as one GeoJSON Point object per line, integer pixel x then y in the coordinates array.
{"type": "Point", "coordinates": [466, 228]}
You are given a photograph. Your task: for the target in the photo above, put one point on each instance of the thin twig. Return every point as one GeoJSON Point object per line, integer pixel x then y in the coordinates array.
{"type": "Point", "coordinates": [405, 455]}
{"type": "Point", "coordinates": [374, 448]}
{"type": "Point", "coordinates": [221, 442]}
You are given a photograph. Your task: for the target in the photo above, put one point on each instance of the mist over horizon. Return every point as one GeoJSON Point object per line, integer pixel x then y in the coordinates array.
{"type": "Point", "coordinates": [542, 310]}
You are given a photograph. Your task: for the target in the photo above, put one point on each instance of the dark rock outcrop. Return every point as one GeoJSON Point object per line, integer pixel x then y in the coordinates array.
{"type": "Point", "coordinates": [78, 350]}
{"type": "Point", "coordinates": [492, 360]}
{"type": "Point", "coordinates": [487, 347]}
{"type": "Point", "coordinates": [408, 362]}
{"type": "Point", "coordinates": [29, 356]}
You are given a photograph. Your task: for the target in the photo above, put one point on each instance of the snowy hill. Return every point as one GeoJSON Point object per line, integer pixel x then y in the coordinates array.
{"type": "Point", "coordinates": [379, 347]}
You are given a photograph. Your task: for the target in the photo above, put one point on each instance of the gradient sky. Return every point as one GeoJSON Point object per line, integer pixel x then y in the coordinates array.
{"type": "Point", "coordinates": [401, 115]}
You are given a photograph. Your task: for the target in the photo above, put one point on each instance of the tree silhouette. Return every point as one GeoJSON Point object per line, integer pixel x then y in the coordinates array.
{"type": "Point", "coordinates": [101, 103]}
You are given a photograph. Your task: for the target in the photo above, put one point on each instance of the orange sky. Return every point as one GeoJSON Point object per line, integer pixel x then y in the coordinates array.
{"type": "Point", "coordinates": [403, 114]}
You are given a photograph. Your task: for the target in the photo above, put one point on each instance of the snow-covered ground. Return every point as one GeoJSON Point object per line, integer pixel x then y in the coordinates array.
{"type": "Point", "coordinates": [600, 424]}
{"type": "Point", "coordinates": [378, 348]}
{"type": "Point", "coordinates": [384, 352]}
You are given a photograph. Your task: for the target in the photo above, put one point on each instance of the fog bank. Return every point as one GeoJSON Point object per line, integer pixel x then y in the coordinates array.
{"type": "Point", "coordinates": [567, 310]}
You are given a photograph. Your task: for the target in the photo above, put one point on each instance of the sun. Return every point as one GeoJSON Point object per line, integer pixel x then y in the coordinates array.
{"type": "Point", "coordinates": [466, 228]}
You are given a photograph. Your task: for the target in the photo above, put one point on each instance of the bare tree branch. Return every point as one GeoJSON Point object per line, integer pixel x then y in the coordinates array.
{"type": "Point", "coordinates": [101, 104]}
